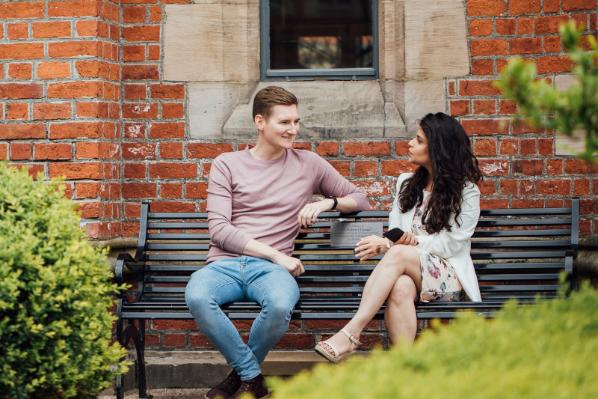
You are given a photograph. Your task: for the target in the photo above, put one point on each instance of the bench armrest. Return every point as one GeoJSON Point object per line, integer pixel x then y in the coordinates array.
{"type": "Point", "coordinates": [128, 270]}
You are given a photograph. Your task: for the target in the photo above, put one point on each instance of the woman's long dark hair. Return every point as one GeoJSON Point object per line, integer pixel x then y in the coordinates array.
{"type": "Point", "coordinates": [453, 166]}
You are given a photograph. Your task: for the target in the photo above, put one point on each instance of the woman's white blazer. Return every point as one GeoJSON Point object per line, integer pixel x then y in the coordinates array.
{"type": "Point", "coordinates": [454, 245]}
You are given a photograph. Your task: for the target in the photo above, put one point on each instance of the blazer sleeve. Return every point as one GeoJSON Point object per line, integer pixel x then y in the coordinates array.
{"type": "Point", "coordinates": [448, 243]}
{"type": "Point", "coordinates": [395, 212]}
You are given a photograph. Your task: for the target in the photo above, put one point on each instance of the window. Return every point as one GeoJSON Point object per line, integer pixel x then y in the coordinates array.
{"type": "Point", "coordinates": [302, 39]}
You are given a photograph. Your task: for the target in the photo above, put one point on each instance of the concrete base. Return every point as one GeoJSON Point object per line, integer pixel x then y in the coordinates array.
{"type": "Point", "coordinates": [203, 369]}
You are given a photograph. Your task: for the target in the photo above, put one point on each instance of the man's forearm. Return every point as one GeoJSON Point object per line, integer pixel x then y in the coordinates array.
{"type": "Point", "coordinates": [261, 250]}
{"type": "Point", "coordinates": [346, 204]}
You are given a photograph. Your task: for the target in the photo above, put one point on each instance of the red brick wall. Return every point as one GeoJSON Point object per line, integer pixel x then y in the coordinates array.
{"type": "Point", "coordinates": [81, 95]}
{"type": "Point", "coordinates": [60, 100]}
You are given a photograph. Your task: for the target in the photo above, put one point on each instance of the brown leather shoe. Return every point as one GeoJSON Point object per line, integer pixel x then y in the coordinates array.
{"type": "Point", "coordinates": [226, 388]}
{"type": "Point", "coordinates": [255, 386]}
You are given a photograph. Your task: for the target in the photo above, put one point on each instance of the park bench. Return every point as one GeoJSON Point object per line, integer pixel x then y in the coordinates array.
{"type": "Point", "coordinates": [518, 254]}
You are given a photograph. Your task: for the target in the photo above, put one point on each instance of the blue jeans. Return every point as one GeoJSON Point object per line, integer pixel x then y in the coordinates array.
{"type": "Point", "coordinates": [235, 279]}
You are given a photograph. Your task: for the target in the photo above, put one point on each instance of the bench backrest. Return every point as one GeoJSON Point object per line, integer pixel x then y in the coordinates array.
{"type": "Point", "coordinates": [517, 253]}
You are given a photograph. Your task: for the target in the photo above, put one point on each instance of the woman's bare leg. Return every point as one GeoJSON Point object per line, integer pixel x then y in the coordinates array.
{"type": "Point", "coordinates": [400, 317]}
{"type": "Point", "coordinates": [399, 260]}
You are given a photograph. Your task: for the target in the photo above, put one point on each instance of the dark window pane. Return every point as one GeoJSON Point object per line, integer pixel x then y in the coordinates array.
{"type": "Point", "coordinates": [308, 34]}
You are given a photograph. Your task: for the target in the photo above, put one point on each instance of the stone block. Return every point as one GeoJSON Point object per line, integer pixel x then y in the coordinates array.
{"type": "Point", "coordinates": [435, 39]}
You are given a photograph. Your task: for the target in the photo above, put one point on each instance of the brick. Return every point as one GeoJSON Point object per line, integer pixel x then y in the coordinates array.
{"type": "Point", "coordinates": [164, 130]}
{"type": "Point", "coordinates": [53, 151]}
{"type": "Point", "coordinates": [207, 150]}
{"type": "Point", "coordinates": [525, 26]}
{"type": "Point", "coordinates": [545, 146]}
{"type": "Point", "coordinates": [45, 111]}
{"type": "Point", "coordinates": [528, 147]}
{"type": "Point", "coordinates": [494, 203]}
{"type": "Point", "coordinates": [521, 7]}
{"type": "Point", "coordinates": [88, 28]}
{"type": "Point", "coordinates": [482, 47]}
{"type": "Point", "coordinates": [485, 147]}
{"type": "Point", "coordinates": [135, 92]}
{"type": "Point", "coordinates": [17, 111]}
{"type": "Point", "coordinates": [459, 107]}
{"type": "Point", "coordinates": [92, 150]}
{"type": "Point", "coordinates": [73, 8]}
{"type": "Point", "coordinates": [51, 29]}
{"type": "Point", "coordinates": [371, 148]}
{"type": "Point", "coordinates": [577, 166]}
{"type": "Point", "coordinates": [302, 146]}
{"type": "Point", "coordinates": [365, 168]}
{"type": "Point", "coordinates": [165, 325]}
{"type": "Point", "coordinates": [22, 10]}
{"type": "Point", "coordinates": [134, 130]}
{"type": "Point", "coordinates": [451, 88]}
{"type": "Point", "coordinates": [21, 51]}
{"type": "Point", "coordinates": [173, 170]}
{"type": "Point", "coordinates": [172, 206]}
{"type": "Point", "coordinates": [528, 167]}
{"type": "Point", "coordinates": [140, 111]}
{"type": "Point", "coordinates": [494, 167]}
{"type": "Point", "coordinates": [73, 130]}
{"type": "Point", "coordinates": [140, 72]}
{"type": "Point", "coordinates": [134, 53]}
{"type": "Point", "coordinates": [3, 151]}
{"type": "Point", "coordinates": [93, 69]}
{"type": "Point", "coordinates": [139, 151]}
{"type": "Point", "coordinates": [486, 7]}
{"type": "Point", "coordinates": [554, 187]}
{"type": "Point", "coordinates": [171, 190]}
{"type": "Point", "coordinates": [506, 107]}
{"type": "Point", "coordinates": [92, 110]}
{"type": "Point", "coordinates": [343, 167]}
{"type": "Point", "coordinates": [173, 111]}
{"type": "Point", "coordinates": [73, 49]}
{"type": "Point", "coordinates": [139, 190]}
{"type": "Point", "coordinates": [16, 91]}
{"type": "Point", "coordinates": [18, 31]}
{"type": "Point", "coordinates": [155, 14]}
{"type": "Point", "coordinates": [525, 46]}
{"type": "Point", "coordinates": [395, 167]}
{"type": "Point", "coordinates": [53, 70]}
{"type": "Point", "coordinates": [477, 88]}
{"type": "Point", "coordinates": [484, 107]}
{"type": "Point", "coordinates": [296, 341]}
{"type": "Point", "coordinates": [327, 148]}
{"type": "Point", "coordinates": [132, 14]}
{"type": "Point", "coordinates": [480, 27]}
{"type": "Point", "coordinates": [576, 5]}
{"type": "Point", "coordinates": [74, 90]}
{"type": "Point", "coordinates": [487, 187]}
{"type": "Point", "coordinates": [164, 91]}
{"type": "Point", "coordinates": [71, 171]}
{"type": "Point", "coordinates": [20, 71]}
{"type": "Point", "coordinates": [374, 187]}
{"type": "Point", "coordinates": [90, 210]}
{"type": "Point", "coordinates": [506, 26]}
{"type": "Point", "coordinates": [21, 131]}
{"type": "Point", "coordinates": [554, 64]}
{"type": "Point", "coordinates": [508, 187]}
{"type": "Point", "coordinates": [485, 126]}
{"type": "Point", "coordinates": [135, 170]}
{"type": "Point", "coordinates": [153, 53]}
{"type": "Point", "coordinates": [197, 190]}
{"type": "Point", "coordinates": [552, 5]}
{"type": "Point", "coordinates": [482, 67]}
{"type": "Point", "coordinates": [552, 44]}
{"type": "Point", "coordinates": [87, 190]}
{"type": "Point", "coordinates": [171, 150]}
{"type": "Point", "coordinates": [142, 33]}
{"type": "Point", "coordinates": [581, 187]}
{"type": "Point", "coordinates": [554, 167]}
{"type": "Point", "coordinates": [21, 151]}
{"type": "Point", "coordinates": [550, 24]}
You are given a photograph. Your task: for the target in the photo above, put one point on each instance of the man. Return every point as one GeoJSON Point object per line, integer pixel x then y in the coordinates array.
{"type": "Point", "coordinates": [257, 201]}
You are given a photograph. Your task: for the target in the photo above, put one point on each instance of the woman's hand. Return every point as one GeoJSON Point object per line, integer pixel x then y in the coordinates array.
{"type": "Point", "coordinates": [371, 246]}
{"type": "Point", "coordinates": [309, 214]}
{"type": "Point", "coordinates": [407, 239]}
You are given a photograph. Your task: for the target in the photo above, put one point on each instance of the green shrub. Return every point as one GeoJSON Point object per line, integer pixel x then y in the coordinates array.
{"type": "Point", "coordinates": [55, 297]}
{"type": "Point", "coordinates": [545, 351]}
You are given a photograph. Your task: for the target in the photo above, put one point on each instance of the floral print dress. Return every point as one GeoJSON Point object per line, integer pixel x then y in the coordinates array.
{"type": "Point", "coordinates": [439, 280]}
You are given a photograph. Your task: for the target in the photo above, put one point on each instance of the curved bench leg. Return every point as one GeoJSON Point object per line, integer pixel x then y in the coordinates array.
{"type": "Point", "coordinates": [119, 385]}
{"type": "Point", "coordinates": [132, 332]}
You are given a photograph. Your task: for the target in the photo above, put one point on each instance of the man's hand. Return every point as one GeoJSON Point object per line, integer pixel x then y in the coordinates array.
{"type": "Point", "coordinates": [293, 265]}
{"type": "Point", "coordinates": [370, 246]}
{"type": "Point", "coordinates": [309, 214]}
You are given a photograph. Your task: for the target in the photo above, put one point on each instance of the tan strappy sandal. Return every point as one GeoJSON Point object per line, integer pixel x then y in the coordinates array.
{"type": "Point", "coordinates": [332, 354]}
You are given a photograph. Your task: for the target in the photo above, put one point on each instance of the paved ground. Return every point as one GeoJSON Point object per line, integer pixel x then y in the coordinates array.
{"type": "Point", "coordinates": [164, 394]}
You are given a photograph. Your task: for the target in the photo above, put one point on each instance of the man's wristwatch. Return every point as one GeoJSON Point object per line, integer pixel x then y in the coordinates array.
{"type": "Point", "coordinates": [335, 203]}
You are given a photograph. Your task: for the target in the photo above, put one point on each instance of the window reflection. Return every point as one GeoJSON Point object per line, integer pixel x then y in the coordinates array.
{"type": "Point", "coordinates": [316, 34]}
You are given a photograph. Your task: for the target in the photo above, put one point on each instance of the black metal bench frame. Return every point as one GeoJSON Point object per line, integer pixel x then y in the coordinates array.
{"type": "Point", "coordinates": [518, 254]}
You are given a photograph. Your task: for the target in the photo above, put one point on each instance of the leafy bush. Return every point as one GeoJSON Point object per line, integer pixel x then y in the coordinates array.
{"type": "Point", "coordinates": [55, 297]}
{"type": "Point", "coordinates": [543, 351]}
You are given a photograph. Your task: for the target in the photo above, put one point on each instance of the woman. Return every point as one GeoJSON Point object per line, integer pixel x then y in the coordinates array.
{"type": "Point", "coordinates": [438, 208]}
